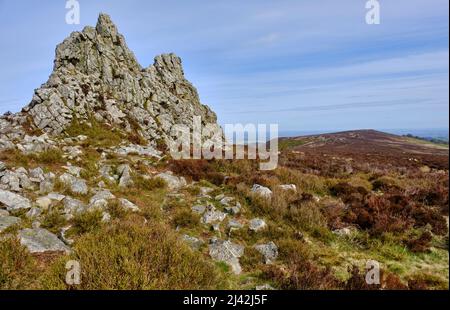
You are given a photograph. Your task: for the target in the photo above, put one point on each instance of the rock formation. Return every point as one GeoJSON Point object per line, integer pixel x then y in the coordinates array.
{"type": "Point", "coordinates": [96, 76]}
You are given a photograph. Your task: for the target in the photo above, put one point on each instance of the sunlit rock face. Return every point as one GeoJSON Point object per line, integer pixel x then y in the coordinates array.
{"type": "Point", "coordinates": [95, 75]}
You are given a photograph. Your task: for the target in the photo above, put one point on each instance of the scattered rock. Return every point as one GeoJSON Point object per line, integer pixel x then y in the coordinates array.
{"type": "Point", "coordinates": [4, 212]}
{"type": "Point", "coordinates": [39, 240]}
{"type": "Point", "coordinates": [257, 224]}
{"type": "Point", "coordinates": [212, 216]}
{"type": "Point", "coordinates": [193, 242]}
{"type": "Point", "coordinates": [261, 191]}
{"type": "Point", "coordinates": [43, 202]}
{"type": "Point", "coordinates": [13, 201]}
{"type": "Point", "coordinates": [77, 185]}
{"type": "Point", "coordinates": [7, 221]}
{"type": "Point", "coordinates": [125, 176]}
{"type": "Point", "coordinates": [173, 182]}
{"type": "Point", "coordinates": [226, 200]}
{"type": "Point", "coordinates": [73, 206]}
{"type": "Point", "coordinates": [227, 252]}
{"type": "Point", "coordinates": [73, 170]}
{"type": "Point", "coordinates": [36, 174]}
{"type": "Point", "coordinates": [264, 287]}
{"type": "Point", "coordinates": [33, 213]}
{"type": "Point", "coordinates": [346, 231]}
{"type": "Point", "coordinates": [139, 150]}
{"type": "Point", "coordinates": [198, 209]}
{"type": "Point", "coordinates": [235, 224]}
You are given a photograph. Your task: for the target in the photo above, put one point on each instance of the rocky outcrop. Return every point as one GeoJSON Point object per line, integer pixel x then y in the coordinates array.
{"type": "Point", "coordinates": [96, 76]}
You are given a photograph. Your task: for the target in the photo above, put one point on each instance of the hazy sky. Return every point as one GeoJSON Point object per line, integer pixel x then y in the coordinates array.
{"type": "Point", "coordinates": [307, 65]}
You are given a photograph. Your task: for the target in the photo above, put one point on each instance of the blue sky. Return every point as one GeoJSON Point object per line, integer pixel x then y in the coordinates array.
{"type": "Point", "coordinates": [307, 65]}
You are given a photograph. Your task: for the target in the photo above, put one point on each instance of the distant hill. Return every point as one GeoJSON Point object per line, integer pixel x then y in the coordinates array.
{"type": "Point", "coordinates": [371, 145]}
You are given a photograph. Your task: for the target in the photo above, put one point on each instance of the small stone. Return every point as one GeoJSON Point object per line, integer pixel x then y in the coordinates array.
{"type": "Point", "coordinates": [4, 212]}
{"type": "Point", "coordinates": [43, 202]}
{"type": "Point", "coordinates": [257, 224]}
{"type": "Point", "coordinates": [8, 221]}
{"type": "Point", "coordinates": [73, 206]}
{"type": "Point", "coordinates": [39, 240]}
{"type": "Point", "coordinates": [198, 209]}
{"type": "Point", "coordinates": [227, 252]}
{"type": "Point", "coordinates": [264, 287]}
{"type": "Point", "coordinates": [13, 201]}
{"type": "Point", "coordinates": [128, 205]}
{"type": "Point", "coordinates": [268, 250]}
{"type": "Point", "coordinates": [213, 216]}
{"type": "Point", "coordinates": [262, 191]}
{"type": "Point", "coordinates": [173, 182]}
{"type": "Point", "coordinates": [76, 185]}
{"type": "Point", "coordinates": [33, 213]}
{"type": "Point", "coordinates": [235, 224]}
{"type": "Point", "coordinates": [288, 187]}
{"type": "Point", "coordinates": [194, 243]}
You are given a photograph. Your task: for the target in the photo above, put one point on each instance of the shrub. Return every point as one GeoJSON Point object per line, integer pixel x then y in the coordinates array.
{"type": "Point", "coordinates": [252, 259]}
{"type": "Point", "coordinates": [17, 266]}
{"type": "Point", "coordinates": [133, 256]}
{"type": "Point", "coordinates": [149, 184]}
{"type": "Point", "coordinates": [420, 244]}
{"type": "Point", "coordinates": [87, 221]}
{"type": "Point", "coordinates": [53, 221]}
{"type": "Point", "coordinates": [197, 170]}
{"type": "Point", "coordinates": [50, 156]}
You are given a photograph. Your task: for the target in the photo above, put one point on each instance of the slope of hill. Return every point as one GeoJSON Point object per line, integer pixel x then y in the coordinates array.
{"type": "Point", "coordinates": [82, 180]}
{"type": "Point", "coordinates": [372, 147]}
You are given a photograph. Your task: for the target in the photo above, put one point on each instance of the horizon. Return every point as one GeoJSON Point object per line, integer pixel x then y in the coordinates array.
{"type": "Point", "coordinates": [251, 63]}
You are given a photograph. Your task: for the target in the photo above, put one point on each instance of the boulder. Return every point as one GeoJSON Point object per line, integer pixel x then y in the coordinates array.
{"type": "Point", "coordinates": [7, 221]}
{"type": "Point", "coordinates": [193, 242]}
{"type": "Point", "coordinates": [43, 202]}
{"type": "Point", "coordinates": [199, 209]}
{"type": "Point", "coordinates": [76, 185]}
{"type": "Point", "coordinates": [125, 176]}
{"type": "Point", "coordinates": [257, 224]}
{"type": "Point", "coordinates": [268, 250]}
{"type": "Point", "coordinates": [212, 216]}
{"type": "Point", "coordinates": [288, 187]}
{"type": "Point", "coordinates": [227, 252]}
{"type": "Point", "coordinates": [128, 205]}
{"type": "Point", "coordinates": [73, 206]}
{"type": "Point", "coordinates": [39, 240]}
{"type": "Point", "coordinates": [173, 182]}
{"type": "Point", "coordinates": [13, 201]}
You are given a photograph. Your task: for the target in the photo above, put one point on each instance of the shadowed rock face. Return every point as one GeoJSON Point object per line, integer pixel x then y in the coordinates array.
{"type": "Point", "coordinates": [96, 75]}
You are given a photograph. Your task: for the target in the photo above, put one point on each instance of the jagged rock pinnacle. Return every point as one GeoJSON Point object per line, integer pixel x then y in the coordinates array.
{"type": "Point", "coordinates": [95, 75]}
